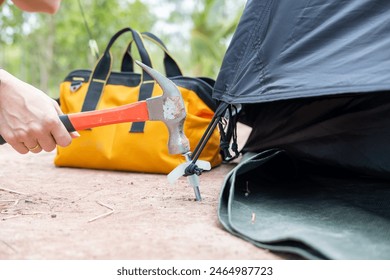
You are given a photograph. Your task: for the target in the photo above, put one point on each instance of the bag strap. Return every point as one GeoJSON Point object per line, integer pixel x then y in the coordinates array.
{"type": "Point", "coordinates": [102, 71]}
{"type": "Point", "coordinates": [172, 69]}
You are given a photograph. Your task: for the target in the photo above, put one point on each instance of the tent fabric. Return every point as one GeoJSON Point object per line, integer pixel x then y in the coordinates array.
{"type": "Point", "coordinates": [317, 182]}
{"type": "Point", "coordinates": [346, 132]}
{"type": "Point", "coordinates": [294, 49]}
{"type": "Point", "coordinates": [313, 79]}
{"type": "Point", "coordinates": [317, 215]}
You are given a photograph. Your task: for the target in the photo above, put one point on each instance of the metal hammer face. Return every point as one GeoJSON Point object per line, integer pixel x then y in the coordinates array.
{"type": "Point", "coordinates": [168, 108]}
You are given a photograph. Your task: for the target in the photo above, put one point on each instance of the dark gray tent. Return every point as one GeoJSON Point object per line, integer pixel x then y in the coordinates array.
{"type": "Point", "coordinates": [293, 49]}
{"type": "Point", "coordinates": [313, 79]}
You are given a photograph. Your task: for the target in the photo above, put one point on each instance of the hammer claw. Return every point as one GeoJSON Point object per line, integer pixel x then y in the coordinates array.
{"type": "Point", "coordinates": [166, 84]}
{"type": "Point", "coordinates": [168, 108]}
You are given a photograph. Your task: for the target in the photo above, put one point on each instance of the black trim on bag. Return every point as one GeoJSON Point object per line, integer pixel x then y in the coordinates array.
{"type": "Point", "coordinates": [201, 86]}
{"type": "Point", "coordinates": [116, 78]}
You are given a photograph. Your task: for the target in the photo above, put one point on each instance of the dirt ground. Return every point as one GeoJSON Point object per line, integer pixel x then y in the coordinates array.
{"type": "Point", "coordinates": [64, 213]}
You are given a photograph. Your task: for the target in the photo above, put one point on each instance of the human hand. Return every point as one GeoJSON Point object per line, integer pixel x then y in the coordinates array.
{"type": "Point", "coordinates": [29, 118]}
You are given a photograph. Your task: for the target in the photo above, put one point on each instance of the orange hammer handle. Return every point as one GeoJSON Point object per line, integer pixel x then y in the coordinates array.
{"type": "Point", "coordinates": [135, 112]}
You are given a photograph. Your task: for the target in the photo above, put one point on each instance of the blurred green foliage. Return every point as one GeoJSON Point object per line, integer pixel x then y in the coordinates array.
{"type": "Point", "coordinates": [42, 49]}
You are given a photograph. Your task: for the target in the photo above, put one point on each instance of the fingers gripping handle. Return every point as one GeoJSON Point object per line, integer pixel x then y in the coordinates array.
{"type": "Point", "coordinates": [64, 119]}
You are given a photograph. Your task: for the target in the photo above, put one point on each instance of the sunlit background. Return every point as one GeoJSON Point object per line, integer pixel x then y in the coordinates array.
{"type": "Point", "coordinates": [42, 49]}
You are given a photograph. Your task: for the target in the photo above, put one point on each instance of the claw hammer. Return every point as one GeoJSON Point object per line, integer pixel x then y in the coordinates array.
{"type": "Point", "coordinates": [168, 108]}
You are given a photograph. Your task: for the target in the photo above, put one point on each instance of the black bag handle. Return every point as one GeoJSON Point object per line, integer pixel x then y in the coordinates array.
{"type": "Point", "coordinates": [102, 71]}
{"type": "Point", "coordinates": [172, 69]}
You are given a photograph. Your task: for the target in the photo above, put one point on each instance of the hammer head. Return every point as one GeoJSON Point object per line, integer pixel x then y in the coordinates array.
{"type": "Point", "coordinates": [168, 108]}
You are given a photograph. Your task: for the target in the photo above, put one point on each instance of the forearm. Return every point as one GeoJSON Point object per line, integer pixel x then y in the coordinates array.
{"type": "Point", "coordinates": [45, 6]}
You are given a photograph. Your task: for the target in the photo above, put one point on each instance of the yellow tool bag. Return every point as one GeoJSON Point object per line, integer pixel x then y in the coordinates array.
{"type": "Point", "coordinates": [138, 146]}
